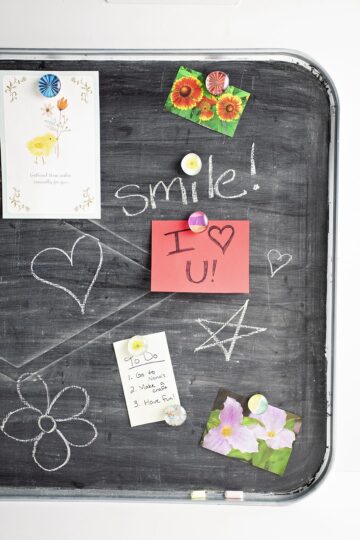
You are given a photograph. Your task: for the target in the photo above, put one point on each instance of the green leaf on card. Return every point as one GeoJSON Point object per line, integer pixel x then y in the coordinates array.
{"type": "Point", "coordinates": [278, 460]}
{"type": "Point", "coordinates": [234, 453]}
{"type": "Point", "coordinates": [213, 420]}
{"type": "Point", "coordinates": [247, 421]}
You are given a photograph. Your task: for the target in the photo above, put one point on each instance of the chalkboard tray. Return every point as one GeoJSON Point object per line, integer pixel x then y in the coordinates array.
{"type": "Point", "coordinates": [284, 154]}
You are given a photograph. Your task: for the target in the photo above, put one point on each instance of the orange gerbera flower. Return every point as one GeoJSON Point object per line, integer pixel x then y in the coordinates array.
{"type": "Point", "coordinates": [62, 104]}
{"type": "Point", "coordinates": [186, 93]}
{"type": "Point", "coordinates": [205, 105]}
{"type": "Point", "coordinates": [229, 107]}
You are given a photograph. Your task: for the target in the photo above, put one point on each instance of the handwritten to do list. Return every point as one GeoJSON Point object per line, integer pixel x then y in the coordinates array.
{"type": "Point", "coordinates": [148, 379]}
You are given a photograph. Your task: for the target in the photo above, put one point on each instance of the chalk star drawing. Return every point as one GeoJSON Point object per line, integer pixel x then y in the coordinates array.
{"type": "Point", "coordinates": [44, 428]}
{"type": "Point", "coordinates": [214, 341]}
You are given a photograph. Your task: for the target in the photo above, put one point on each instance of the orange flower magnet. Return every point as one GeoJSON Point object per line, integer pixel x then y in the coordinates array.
{"type": "Point", "coordinates": [229, 107]}
{"type": "Point", "coordinates": [186, 93]}
{"type": "Point", "coordinates": [205, 105]}
{"type": "Point", "coordinates": [62, 104]}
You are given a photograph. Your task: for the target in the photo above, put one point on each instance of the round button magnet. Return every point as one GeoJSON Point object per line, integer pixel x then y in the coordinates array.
{"type": "Point", "coordinates": [174, 415]}
{"type": "Point", "coordinates": [49, 85]}
{"type": "Point", "coordinates": [198, 222]}
{"type": "Point", "coordinates": [217, 82]}
{"type": "Point", "coordinates": [137, 345]}
{"type": "Point", "coordinates": [191, 164]}
{"type": "Point", "coordinates": [258, 404]}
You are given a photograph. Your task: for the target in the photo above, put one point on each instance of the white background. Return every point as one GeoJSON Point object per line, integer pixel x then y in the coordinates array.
{"type": "Point", "coordinates": [328, 31]}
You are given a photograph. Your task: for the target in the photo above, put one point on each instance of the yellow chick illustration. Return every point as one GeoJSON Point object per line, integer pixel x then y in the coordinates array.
{"type": "Point", "coordinates": [42, 146]}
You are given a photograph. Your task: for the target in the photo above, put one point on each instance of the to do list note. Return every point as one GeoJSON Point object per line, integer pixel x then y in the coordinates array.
{"type": "Point", "coordinates": [148, 379]}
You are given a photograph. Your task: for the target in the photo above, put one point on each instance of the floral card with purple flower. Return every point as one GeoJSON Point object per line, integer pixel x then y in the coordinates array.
{"type": "Point", "coordinates": [50, 144]}
{"type": "Point", "coordinates": [264, 440]}
{"type": "Point", "coordinates": [190, 99]}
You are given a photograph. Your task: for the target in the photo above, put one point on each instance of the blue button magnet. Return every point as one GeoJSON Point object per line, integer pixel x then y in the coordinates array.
{"type": "Point", "coordinates": [49, 85]}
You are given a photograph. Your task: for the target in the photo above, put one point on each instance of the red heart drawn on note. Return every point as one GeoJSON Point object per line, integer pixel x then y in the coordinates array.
{"type": "Point", "coordinates": [221, 237]}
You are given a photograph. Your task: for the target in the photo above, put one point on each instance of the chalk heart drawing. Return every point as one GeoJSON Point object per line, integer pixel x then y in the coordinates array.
{"type": "Point", "coordinates": [235, 322]}
{"type": "Point", "coordinates": [69, 258]}
{"type": "Point", "coordinates": [51, 433]}
{"type": "Point", "coordinates": [277, 260]}
{"type": "Point", "coordinates": [222, 236]}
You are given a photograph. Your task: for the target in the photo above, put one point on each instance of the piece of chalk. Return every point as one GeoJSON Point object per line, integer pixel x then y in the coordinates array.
{"type": "Point", "coordinates": [191, 164]}
{"type": "Point", "coordinates": [238, 495]}
{"type": "Point", "coordinates": [198, 495]}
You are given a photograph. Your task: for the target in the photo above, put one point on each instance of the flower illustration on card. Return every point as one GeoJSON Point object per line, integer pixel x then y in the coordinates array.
{"type": "Point", "coordinates": [87, 200]}
{"type": "Point", "coordinates": [47, 109]}
{"type": "Point", "coordinates": [17, 202]}
{"type": "Point", "coordinates": [85, 88]}
{"type": "Point", "coordinates": [60, 125]}
{"type": "Point", "coordinates": [11, 87]}
{"type": "Point", "coordinates": [264, 440]}
{"type": "Point", "coordinates": [53, 427]}
{"type": "Point", "coordinates": [230, 433]}
{"type": "Point", "coordinates": [272, 428]}
{"type": "Point", "coordinates": [42, 146]}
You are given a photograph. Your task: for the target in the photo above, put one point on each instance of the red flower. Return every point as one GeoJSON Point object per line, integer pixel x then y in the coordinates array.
{"type": "Point", "coordinates": [229, 107]}
{"type": "Point", "coordinates": [186, 93]}
{"type": "Point", "coordinates": [205, 105]}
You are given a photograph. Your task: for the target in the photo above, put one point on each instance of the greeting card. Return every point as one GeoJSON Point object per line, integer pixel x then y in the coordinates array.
{"type": "Point", "coordinates": [190, 99]}
{"type": "Point", "coordinates": [50, 146]}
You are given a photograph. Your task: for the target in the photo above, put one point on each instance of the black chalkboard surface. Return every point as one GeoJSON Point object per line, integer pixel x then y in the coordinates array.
{"type": "Point", "coordinates": [288, 127]}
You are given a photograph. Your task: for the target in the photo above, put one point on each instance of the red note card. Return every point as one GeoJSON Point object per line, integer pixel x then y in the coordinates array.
{"type": "Point", "coordinates": [214, 261]}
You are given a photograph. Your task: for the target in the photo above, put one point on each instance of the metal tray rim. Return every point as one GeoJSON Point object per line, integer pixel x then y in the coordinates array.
{"type": "Point", "coordinates": [263, 54]}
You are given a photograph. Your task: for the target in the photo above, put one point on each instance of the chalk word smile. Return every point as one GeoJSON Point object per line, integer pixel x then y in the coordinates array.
{"type": "Point", "coordinates": [215, 189]}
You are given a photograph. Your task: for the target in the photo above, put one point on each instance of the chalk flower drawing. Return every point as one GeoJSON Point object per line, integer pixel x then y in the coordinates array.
{"type": "Point", "coordinates": [85, 88]}
{"type": "Point", "coordinates": [52, 435]}
{"type": "Point", "coordinates": [230, 433]}
{"type": "Point", "coordinates": [12, 87]}
{"type": "Point", "coordinates": [272, 429]}
{"type": "Point", "coordinates": [16, 202]}
{"type": "Point", "coordinates": [264, 440]}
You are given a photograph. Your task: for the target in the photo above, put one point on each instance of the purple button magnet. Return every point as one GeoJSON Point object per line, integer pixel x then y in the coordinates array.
{"type": "Point", "coordinates": [198, 222]}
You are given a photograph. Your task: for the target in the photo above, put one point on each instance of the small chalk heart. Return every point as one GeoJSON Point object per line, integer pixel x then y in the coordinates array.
{"type": "Point", "coordinates": [277, 260]}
